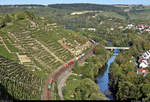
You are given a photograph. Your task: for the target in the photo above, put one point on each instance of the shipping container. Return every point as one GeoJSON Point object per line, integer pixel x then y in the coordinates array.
{"type": "Point", "coordinates": [66, 65]}
{"type": "Point", "coordinates": [72, 60]}
{"type": "Point", "coordinates": [49, 86]}
{"type": "Point", "coordinates": [70, 63]}
{"type": "Point", "coordinates": [51, 81]}
{"type": "Point", "coordinates": [79, 57]}
{"type": "Point", "coordinates": [83, 54]}
{"type": "Point", "coordinates": [76, 58]}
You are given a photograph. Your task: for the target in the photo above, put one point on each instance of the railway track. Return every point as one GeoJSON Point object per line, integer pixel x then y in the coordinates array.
{"type": "Point", "coordinates": [47, 93]}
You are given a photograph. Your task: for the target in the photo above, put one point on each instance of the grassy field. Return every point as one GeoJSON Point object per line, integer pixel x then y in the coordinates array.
{"type": "Point", "coordinates": [140, 14]}
{"type": "Point", "coordinates": [111, 14]}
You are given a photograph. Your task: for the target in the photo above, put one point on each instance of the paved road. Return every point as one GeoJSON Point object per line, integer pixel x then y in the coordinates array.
{"type": "Point", "coordinates": [63, 79]}
{"type": "Point", "coordinates": [46, 95]}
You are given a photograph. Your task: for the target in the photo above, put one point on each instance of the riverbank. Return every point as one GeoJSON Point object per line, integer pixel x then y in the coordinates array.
{"type": "Point", "coordinates": [103, 81]}
{"type": "Point", "coordinates": [81, 85]}
{"type": "Point", "coordinates": [125, 83]}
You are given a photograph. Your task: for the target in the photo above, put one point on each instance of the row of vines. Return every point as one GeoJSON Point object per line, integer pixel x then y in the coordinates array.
{"type": "Point", "coordinates": [18, 82]}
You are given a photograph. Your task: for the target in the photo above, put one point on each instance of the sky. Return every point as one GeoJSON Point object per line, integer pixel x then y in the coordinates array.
{"type": "Point", "coordinates": [45, 2]}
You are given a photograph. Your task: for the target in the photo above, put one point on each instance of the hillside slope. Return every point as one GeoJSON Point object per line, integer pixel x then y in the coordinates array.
{"type": "Point", "coordinates": [61, 13]}
{"type": "Point", "coordinates": [16, 82]}
{"type": "Point", "coordinates": [40, 43]}
{"type": "Point", "coordinates": [40, 46]}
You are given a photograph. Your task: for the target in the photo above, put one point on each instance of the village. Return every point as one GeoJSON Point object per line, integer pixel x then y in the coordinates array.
{"type": "Point", "coordinates": [144, 63]}
{"type": "Point", "coordinates": [140, 27]}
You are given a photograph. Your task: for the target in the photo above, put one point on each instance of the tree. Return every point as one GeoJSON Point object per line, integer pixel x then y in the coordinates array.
{"type": "Point", "coordinates": [127, 90]}
{"type": "Point", "coordinates": [146, 91]}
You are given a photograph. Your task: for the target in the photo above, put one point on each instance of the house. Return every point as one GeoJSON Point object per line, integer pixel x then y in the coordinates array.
{"type": "Point", "coordinates": [146, 55]}
{"type": "Point", "coordinates": [144, 59]}
{"type": "Point", "coordinates": [129, 26]}
{"type": "Point", "coordinates": [120, 27]}
{"type": "Point", "coordinates": [89, 29]}
{"type": "Point", "coordinates": [111, 28]}
{"type": "Point", "coordinates": [148, 30]}
{"type": "Point", "coordinates": [92, 29]}
{"type": "Point", "coordinates": [143, 64]}
{"type": "Point", "coordinates": [142, 71]}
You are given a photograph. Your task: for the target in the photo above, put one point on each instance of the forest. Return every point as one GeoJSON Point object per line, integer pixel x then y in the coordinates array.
{"type": "Point", "coordinates": [125, 83]}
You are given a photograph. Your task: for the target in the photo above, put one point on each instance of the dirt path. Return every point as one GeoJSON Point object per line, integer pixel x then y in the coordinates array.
{"type": "Point", "coordinates": [11, 35]}
{"type": "Point", "coordinates": [41, 62]}
{"type": "Point", "coordinates": [49, 51]}
{"type": "Point", "coordinates": [5, 45]}
{"type": "Point", "coordinates": [66, 47]}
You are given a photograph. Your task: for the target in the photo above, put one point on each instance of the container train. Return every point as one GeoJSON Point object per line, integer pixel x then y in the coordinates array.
{"type": "Point", "coordinates": [67, 66]}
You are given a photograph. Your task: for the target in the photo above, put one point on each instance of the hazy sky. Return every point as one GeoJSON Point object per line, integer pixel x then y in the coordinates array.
{"type": "Point", "coordinates": [45, 2]}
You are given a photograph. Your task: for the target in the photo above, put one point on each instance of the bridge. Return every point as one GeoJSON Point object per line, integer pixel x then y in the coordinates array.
{"type": "Point", "coordinates": [120, 48]}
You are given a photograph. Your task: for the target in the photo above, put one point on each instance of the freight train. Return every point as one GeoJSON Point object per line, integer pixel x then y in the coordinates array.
{"type": "Point", "coordinates": [71, 62]}
{"type": "Point", "coordinates": [67, 66]}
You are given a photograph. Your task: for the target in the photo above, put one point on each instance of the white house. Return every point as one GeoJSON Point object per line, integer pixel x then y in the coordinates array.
{"type": "Point", "coordinates": [143, 64]}
{"type": "Point", "coordinates": [92, 29]}
{"type": "Point", "coordinates": [146, 55]}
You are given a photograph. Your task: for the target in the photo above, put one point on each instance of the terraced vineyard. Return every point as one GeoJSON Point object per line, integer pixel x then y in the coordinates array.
{"type": "Point", "coordinates": [37, 43]}
{"type": "Point", "coordinates": [20, 83]}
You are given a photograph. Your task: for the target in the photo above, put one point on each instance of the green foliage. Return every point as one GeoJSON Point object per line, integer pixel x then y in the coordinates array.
{"type": "Point", "coordinates": [30, 15]}
{"type": "Point", "coordinates": [76, 89]}
{"type": "Point", "coordinates": [100, 50]}
{"type": "Point", "coordinates": [20, 16]}
{"type": "Point", "coordinates": [92, 67]}
{"type": "Point", "coordinates": [7, 18]}
{"type": "Point", "coordinates": [19, 36]}
{"type": "Point", "coordinates": [146, 91]}
{"type": "Point", "coordinates": [112, 14]}
{"type": "Point", "coordinates": [127, 90]}
{"type": "Point", "coordinates": [124, 81]}
{"type": "Point", "coordinates": [5, 53]}
{"type": "Point", "coordinates": [22, 85]}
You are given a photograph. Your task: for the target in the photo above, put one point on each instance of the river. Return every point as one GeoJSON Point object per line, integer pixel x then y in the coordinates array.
{"type": "Point", "coordinates": [103, 81]}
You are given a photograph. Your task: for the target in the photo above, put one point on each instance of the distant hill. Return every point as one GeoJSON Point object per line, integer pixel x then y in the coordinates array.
{"type": "Point", "coordinates": [79, 7]}
{"type": "Point", "coordinates": [86, 15]}
{"type": "Point", "coordinates": [63, 11]}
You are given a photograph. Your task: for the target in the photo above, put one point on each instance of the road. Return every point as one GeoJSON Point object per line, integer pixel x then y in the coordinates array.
{"type": "Point", "coordinates": [47, 94]}
{"type": "Point", "coordinates": [63, 79]}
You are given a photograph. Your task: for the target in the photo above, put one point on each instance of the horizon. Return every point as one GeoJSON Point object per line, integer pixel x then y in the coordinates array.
{"type": "Point", "coordinates": [48, 2]}
{"type": "Point", "coordinates": [68, 3]}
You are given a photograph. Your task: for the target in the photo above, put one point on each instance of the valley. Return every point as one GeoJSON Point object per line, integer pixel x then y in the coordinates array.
{"type": "Point", "coordinates": [56, 52]}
